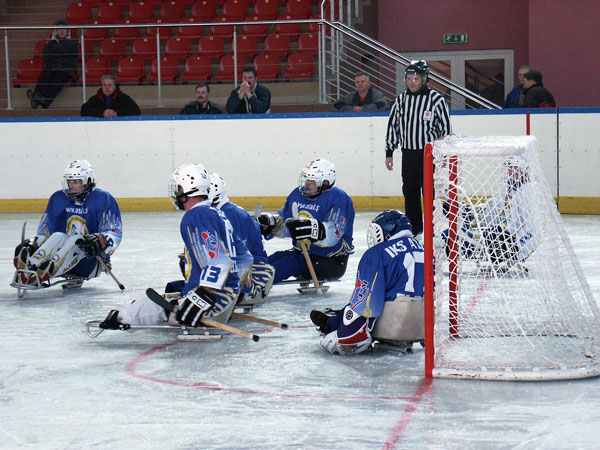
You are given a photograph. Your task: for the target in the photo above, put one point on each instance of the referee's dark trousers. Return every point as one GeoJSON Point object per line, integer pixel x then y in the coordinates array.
{"type": "Point", "coordinates": [412, 186]}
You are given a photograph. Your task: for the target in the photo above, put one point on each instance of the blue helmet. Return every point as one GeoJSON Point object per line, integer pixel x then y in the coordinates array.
{"type": "Point", "coordinates": [385, 225]}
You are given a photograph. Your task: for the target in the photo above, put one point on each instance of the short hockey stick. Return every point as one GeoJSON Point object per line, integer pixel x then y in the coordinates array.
{"type": "Point", "coordinates": [108, 271]}
{"type": "Point", "coordinates": [160, 301]}
{"type": "Point", "coordinates": [250, 318]}
{"type": "Point", "coordinates": [309, 264]}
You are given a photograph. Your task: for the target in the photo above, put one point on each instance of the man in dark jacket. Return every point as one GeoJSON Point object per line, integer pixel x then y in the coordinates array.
{"type": "Point", "coordinates": [201, 105]}
{"type": "Point", "coordinates": [536, 95]}
{"type": "Point", "coordinates": [60, 55]}
{"type": "Point", "coordinates": [249, 97]}
{"type": "Point", "coordinates": [110, 101]}
{"type": "Point", "coordinates": [365, 98]}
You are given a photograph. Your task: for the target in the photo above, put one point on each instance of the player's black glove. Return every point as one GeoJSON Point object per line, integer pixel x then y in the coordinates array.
{"type": "Point", "coordinates": [29, 246]}
{"type": "Point", "coordinates": [196, 303]}
{"type": "Point", "coordinates": [306, 228]}
{"type": "Point", "coordinates": [267, 223]}
{"type": "Point", "coordinates": [92, 244]}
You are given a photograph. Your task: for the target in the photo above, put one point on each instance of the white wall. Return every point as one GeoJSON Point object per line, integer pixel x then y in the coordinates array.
{"type": "Point", "coordinates": [263, 156]}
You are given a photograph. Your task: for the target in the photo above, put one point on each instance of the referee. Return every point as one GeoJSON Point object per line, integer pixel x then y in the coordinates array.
{"type": "Point", "coordinates": [418, 116]}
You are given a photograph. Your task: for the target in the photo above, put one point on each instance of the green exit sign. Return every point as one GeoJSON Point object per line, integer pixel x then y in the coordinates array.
{"type": "Point", "coordinates": [455, 38]}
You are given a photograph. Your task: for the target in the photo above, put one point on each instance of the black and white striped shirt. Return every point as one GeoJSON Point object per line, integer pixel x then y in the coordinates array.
{"type": "Point", "coordinates": [416, 119]}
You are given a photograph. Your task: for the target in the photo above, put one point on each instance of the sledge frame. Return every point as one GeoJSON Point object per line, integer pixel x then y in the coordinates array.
{"type": "Point", "coordinates": [67, 281]}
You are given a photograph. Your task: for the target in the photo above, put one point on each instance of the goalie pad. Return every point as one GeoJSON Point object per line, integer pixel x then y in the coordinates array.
{"type": "Point", "coordinates": [352, 337]}
{"type": "Point", "coordinates": [257, 283]}
{"type": "Point", "coordinates": [401, 320]}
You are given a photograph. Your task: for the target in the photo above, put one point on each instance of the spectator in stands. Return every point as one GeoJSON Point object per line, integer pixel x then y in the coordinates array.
{"type": "Point", "coordinates": [249, 97]}
{"type": "Point", "coordinates": [516, 97]}
{"type": "Point", "coordinates": [60, 56]}
{"type": "Point", "coordinates": [536, 95]}
{"type": "Point", "coordinates": [365, 98]}
{"type": "Point", "coordinates": [201, 105]}
{"type": "Point", "coordinates": [110, 101]}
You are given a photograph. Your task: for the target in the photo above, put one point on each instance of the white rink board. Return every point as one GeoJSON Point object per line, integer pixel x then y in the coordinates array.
{"type": "Point", "coordinates": [263, 156]}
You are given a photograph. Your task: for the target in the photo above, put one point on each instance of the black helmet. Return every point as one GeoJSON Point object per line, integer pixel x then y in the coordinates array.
{"type": "Point", "coordinates": [418, 67]}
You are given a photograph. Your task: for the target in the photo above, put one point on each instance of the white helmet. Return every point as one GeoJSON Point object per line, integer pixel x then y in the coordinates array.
{"type": "Point", "coordinates": [318, 171]}
{"type": "Point", "coordinates": [79, 170]}
{"type": "Point", "coordinates": [218, 189]}
{"type": "Point", "coordinates": [188, 180]}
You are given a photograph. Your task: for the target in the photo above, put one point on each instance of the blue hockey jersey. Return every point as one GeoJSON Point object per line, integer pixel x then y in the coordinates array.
{"type": "Point", "coordinates": [386, 270]}
{"type": "Point", "coordinates": [98, 213]}
{"type": "Point", "coordinates": [247, 228]}
{"type": "Point", "coordinates": [215, 255]}
{"type": "Point", "coordinates": [333, 208]}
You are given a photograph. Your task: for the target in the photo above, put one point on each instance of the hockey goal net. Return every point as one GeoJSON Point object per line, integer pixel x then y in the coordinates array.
{"type": "Point", "coordinates": [505, 296]}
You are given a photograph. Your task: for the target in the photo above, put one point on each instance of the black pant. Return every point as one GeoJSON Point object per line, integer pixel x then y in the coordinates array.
{"type": "Point", "coordinates": [412, 187]}
{"type": "Point", "coordinates": [326, 268]}
{"type": "Point", "coordinates": [50, 84]}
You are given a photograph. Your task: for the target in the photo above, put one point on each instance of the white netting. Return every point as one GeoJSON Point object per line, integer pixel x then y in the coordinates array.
{"type": "Point", "coordinates": [521, 308]}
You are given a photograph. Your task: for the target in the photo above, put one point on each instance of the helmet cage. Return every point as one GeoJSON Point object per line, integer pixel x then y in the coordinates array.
{"type": "Point", "coordinates": [78, 170]}
{"type": "Point", "coordinates": [319, 170]}
{"type": "Point", "coordinates": [386, 225]}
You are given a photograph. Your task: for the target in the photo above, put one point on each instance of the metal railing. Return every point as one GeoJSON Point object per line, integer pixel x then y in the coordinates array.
{"type": "Point", "coordinates": [342, 51]}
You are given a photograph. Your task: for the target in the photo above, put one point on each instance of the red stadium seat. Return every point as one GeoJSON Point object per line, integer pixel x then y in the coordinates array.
{"type": "Point", "coordinates": [109, 13]}
{"type": "Point", "coordinates": [79, 14]}
{"type": "Point", "coordinates": [39, 47]}
{"type": "Point", "coordinates": [247, 47]}
{"type": "Point", "coordinates": [266, 9]}
{"type": "Point", "coordinates": [211, 46]}
{"type": "Point", "coordinates": [191, 32]}
{"type": "Point", "coordinates": [299, 65]}
{"type": "Point", "coordinates": [267, 66]}
{"type": "Point", "coordinates": [224, 31]}
{"type": "Point", "coordinates": [94, 69]}
{"type": "Point", "coordinates": [28, 71]}
{"type": "Point", "coordinates": [235, 10]}
{"type": "Point", "coordinates": [308, 43]}
{"type": "Point", "coordinates": [91, 3]}
{"type": "Point", "coordinates": [130, 70]}
{"type": "Point", "coordinates": [165, 32]}
{"type": "Point", "coordinates": [226, 68]}
{"type": "Point", "coordinates": [113, 49]}
{"type": "Point", "coordinates": [126, 34]}
{"type": "Point", "coordinates": [197, 68]}
{"type": "Point", "coordinates": [92, 35]}
{"type": "Point", "coordinates": [154, 3]}
{"type": "Point", "coordinates": [141, 12]}
{"type": "Point", "coordinates": [179, 48]}
{"type": "Point", "coordinates": [204, 10]}
{"type": "Point", "coordinates": [277, 45]}
{"type": "Point", "coordinates": [168, 70]}
{"type": "Point", "coordinates": [300, 9]}
{"type": "Point", "coordinates": [172, 12]}
{"type": "Point", "coordinates": [292, 30]}
{"type": "Point", "coordinates": [327, 10]}
{"type": "Point", "coordinates": [89, 49]}
{"type": "Point", "coordinates": [144, 48]}
{"type": "Point", "coordinates": [260, 31]}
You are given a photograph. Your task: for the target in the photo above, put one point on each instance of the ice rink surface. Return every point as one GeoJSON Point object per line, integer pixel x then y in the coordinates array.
{"type": "Point", "coordinates": [60, 389]}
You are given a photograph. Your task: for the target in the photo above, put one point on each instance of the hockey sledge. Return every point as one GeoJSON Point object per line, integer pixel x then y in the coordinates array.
{"type": "Point", "coordinates": [307, 286]}
{"type": "Point", "coordinates": [66, 281]}
{"type": "Point", "coordinates": [93, 330]}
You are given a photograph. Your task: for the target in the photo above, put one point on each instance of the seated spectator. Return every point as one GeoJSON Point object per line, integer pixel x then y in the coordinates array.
{"type": "Point", "coordinates": [536, 95]}
{"type": "Point", "coordinates": [516, 97]}
{"type": "Point", "coordinates": [201, 105]}
{"type": "Point", "coordinates": [249, 97]}
{"type": "Point", "coordinates": [365, 98]}
{"type": "Point", "coordinates": [60, 56]}
{"type": "Point", "coordinates": [110, 101]}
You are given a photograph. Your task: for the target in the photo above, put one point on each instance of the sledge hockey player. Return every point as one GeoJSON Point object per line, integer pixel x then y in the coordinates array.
{"type": "Point", "coordinates": [325, 219]}
{"type": "Point", "coordinates": [387, 302]}
{"type": "Point", "coordinates": [257, 282]}
{"type": "Point", "coordinates": [80, 223]}
{"type": "Point", "coordinates": [500, 231]}
{"type": "Point", "coordinates": [214, 255]}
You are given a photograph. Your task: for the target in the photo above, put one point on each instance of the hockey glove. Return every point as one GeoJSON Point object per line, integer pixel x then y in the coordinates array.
{"type": "Point", "coordinates": [22, 253]}
{"type": "Point", "coordinates": [92, 244]}
{"type": "Point", "coordinates": [196, 303]}
{"type": "Point", "coordinates": [306, 229]}
{"type": "Point", "coordinates": [267, 223]}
